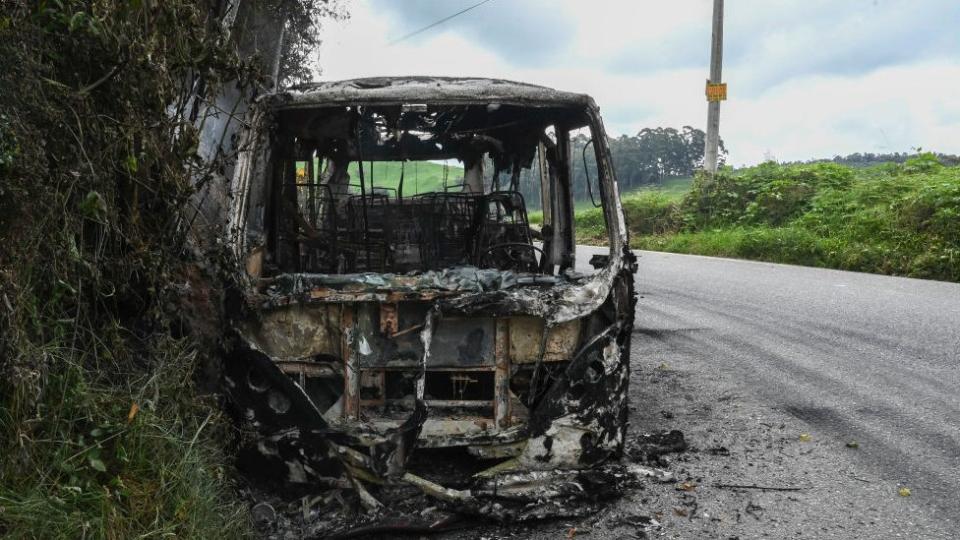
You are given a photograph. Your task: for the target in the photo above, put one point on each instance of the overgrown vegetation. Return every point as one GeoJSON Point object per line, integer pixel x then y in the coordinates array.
{"type": "Point", "coordinates": [103, 431]}
{"type": "Point", "coordinates": [899, 219]}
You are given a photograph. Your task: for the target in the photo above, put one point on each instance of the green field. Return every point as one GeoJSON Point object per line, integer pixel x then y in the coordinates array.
{"type": "Point", "coordinates": [418, 176]}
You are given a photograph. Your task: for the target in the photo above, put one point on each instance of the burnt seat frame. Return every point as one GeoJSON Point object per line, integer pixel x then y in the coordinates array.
{"type": "Point", "coordinates": [431, 231]}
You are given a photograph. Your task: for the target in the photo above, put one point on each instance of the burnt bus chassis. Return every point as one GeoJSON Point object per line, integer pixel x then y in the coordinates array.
{"type": "Point", "coordinates": [567, 336]}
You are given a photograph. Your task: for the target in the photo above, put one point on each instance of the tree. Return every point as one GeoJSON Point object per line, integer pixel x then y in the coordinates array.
{"type": "Point", "coordinates": [655, 154]}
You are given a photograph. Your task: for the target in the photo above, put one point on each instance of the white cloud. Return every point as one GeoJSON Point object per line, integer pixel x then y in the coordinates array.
{"type": "Point", "coordinates": [807, 79]}
{"type": "Point", "coordinates": [890, 109]}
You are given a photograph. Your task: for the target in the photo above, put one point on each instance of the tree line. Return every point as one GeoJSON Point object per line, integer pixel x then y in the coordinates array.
{"type": "Point", "coordinates": [866, 159]}
{"type": "Point", "coordinates": [644, 159]}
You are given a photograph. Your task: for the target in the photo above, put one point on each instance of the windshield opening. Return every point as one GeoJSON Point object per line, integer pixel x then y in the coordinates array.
{"type": "Point", "coordinates": [413, 188]}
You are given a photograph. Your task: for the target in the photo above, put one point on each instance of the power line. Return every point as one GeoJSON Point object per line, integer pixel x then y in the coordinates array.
{"type": "Point", "coordinates": [441, 21]}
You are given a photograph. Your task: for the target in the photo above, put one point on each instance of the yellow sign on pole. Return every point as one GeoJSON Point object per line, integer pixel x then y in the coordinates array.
{"type": "Point", "coordinates": [716, 91]}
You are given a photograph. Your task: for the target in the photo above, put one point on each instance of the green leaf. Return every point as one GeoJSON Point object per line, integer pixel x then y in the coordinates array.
{"type": "Point", "coordinates": [97, 464]}
{"type": "Point", "coordinates": [94, 207]}
{"type": "Point", "coordinates": [76, 20]}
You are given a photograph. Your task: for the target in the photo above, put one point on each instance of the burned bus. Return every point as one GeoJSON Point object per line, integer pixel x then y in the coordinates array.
{"type": "Point", "coordinates": [381, 316]}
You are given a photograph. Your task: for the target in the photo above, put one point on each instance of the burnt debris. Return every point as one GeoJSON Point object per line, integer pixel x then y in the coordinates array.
{"type": "Point", "coordinates": [650, 447]}
{"type": "Point", "coordinates": [375, 325]}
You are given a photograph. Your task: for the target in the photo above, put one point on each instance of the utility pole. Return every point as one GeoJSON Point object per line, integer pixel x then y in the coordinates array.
{"type": "Point", "coordinates": [716, 91]}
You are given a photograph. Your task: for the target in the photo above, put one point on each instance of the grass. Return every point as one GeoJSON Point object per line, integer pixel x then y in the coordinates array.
{"type": "Point", "coordinates": [889, 219]}
{"type": "Point", "coordinates": [671, 188]}
{"type": "Point", "coordinates": [107, 459]}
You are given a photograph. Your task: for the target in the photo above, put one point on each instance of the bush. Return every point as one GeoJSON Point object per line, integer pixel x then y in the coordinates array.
{"type": "Point", "coordinates": [98, 160]}
{"type": "Point", "coordinates": [650, 212]}
{"type": "Point", "coordinates": [768, 194]}
{"type": "Point", "coordinates": [893, 219]}
{"type": "Point", "coordinates": [932, 207]}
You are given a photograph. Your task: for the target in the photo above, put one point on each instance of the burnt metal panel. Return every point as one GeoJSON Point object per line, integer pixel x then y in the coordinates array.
{"type": "Point", "coordinates": [463, 342]}
{"type": "Point", "coordinates": [297, 332]}
{"type": "Point", "coordinates": [526, 337]}
{"type": "Point", "coordinates": [456, 342]}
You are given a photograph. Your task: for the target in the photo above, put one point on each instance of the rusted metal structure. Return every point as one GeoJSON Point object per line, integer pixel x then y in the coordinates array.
{"type": "Point", "coordinates": [374, 324]}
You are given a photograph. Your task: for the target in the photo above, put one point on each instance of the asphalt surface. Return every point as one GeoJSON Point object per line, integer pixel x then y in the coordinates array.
{"type": "Point", "coordinates": [843, 358]}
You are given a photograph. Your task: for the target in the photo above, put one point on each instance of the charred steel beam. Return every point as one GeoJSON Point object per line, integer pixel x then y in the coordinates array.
{"type": "Point", "coordinates": [452, 403]}
{"type": "Point", "coordinates": [501, 377]}
{"type": "Point", "coordinates": [307, 369]}
{"type": "Point", "coordinates": [546, 202]}
{"type": "Point", "coordinates": [564, 199]}
{"type": "Point", "coordinates": [351, 364]}
{"type": "Point", "coordinates": [312, 191]}
{"type": "Point", "coordinates": [363, 191]}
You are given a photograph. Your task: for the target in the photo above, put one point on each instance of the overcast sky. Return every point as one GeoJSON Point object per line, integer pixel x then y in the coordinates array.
{"type": "Point", "coordinates": [807, 78]}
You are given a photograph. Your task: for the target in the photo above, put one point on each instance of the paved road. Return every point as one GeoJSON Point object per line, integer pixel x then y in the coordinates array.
{"type": "Point", "coordinates": [857, 357]}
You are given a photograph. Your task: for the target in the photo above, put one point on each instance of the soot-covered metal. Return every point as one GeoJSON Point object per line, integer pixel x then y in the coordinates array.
{"type": "Point", "coordinates": [383, 328]}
